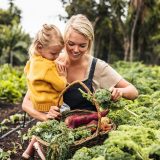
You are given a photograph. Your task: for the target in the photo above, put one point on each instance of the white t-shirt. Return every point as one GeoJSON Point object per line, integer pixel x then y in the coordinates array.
{"type": "Point", "coordinates": [104, 75]}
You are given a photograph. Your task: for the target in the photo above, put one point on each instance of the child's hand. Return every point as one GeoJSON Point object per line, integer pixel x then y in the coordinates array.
{"type": "Point", "coordinates": [62, 70]}
{"type": "Point", "coordinates": [61, 67]}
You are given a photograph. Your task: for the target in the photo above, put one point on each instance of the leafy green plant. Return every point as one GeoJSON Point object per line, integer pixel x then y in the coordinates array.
{"type": "Point", "coordinates": [4, 155]}
{"type": "Point", "coordinates": [12, 84]}
{"type": "Point", "coordinates": [59, 137]}
{"type": "Point", "coordinates": [101, 96]}
{"type": "Point", "coordinates": [16, 118]}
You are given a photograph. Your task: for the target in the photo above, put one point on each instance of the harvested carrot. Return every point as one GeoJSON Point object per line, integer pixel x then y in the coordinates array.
{"type": "Point", "coordinates": [75, 121]}
{"type": "Point", "coordinates": [106, 127]}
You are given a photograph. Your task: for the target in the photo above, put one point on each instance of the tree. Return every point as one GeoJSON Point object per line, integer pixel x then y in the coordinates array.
{"type": "Point", "coordinates": [147, 32]}
{"type": "Point", "coordinates": [124, 29]}
{"type": "Point", "coordinates": [137, 4]}
{"type": "Point", "coordinates": [14, 41]}
{"type": "Point", "coordinates": [99, 14]}
{"type": "Point", "coordinates": [119, 11]}
{"type": "Point", "coordinates": [15, 44]}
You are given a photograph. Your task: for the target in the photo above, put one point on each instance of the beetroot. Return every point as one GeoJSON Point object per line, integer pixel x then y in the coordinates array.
{"type": "Point", "coordinates": [75, 121]}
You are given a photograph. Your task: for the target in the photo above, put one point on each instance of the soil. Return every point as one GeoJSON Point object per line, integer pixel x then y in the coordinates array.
{"type": "Point", "coordinates": [6, 143]}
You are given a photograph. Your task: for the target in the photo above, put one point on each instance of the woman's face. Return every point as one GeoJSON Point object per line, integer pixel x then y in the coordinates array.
{"type": "Point", "coordinates": [76, 45]}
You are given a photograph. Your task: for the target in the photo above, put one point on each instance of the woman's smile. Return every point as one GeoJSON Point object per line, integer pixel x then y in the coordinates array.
{"type": "Point", "coordinates": [77, 45]}
{"type": "Point", "coordinates": [75, 54]}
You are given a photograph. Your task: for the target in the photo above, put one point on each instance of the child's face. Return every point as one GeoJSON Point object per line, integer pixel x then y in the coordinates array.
{"type": "Point", "coordinates": [51, 52]}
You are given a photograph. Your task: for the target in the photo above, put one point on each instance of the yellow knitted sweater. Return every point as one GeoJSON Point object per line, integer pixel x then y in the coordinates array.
{"type": "Point", "coordinates": [44, 83]}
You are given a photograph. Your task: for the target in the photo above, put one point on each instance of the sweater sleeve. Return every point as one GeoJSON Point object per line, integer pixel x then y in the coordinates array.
{"type": "Point", "coordinates": [27, 67]}
{"type": "Point", "coordinates": [43, 73]}
{"type": "Point", "coordinates": [52, 77]}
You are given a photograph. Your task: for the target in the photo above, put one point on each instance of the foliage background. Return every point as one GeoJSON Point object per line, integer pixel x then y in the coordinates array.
{"type": "Point", "coordinates": [124, 30]}
{"type": "Point", "coordinates": [14, 42]}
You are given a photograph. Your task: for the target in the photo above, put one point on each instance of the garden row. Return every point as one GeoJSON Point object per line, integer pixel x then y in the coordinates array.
{"type": "Point", "coordinates": [138, 121]}
{"type": "Point", "coordinates": [12, 84]}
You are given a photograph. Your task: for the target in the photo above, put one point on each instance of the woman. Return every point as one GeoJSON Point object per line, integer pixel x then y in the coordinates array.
{"type": "Point", "coordinates": [80, 65]}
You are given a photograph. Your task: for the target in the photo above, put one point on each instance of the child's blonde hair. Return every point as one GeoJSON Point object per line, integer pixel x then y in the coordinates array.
{"type": "Point", "coordinates": [48, 34]}
{"type": "Point", "coordinates": [82, 25]}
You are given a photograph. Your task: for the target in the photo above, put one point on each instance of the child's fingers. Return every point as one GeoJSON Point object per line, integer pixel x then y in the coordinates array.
{"type": "Point", "coordinates": [61, 68]}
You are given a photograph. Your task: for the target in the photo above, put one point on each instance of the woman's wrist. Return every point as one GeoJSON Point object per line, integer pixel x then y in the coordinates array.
{"type": "Point", "coordinates": [42, 116]}
{"type": "Point", "coordinates": [129, 92]}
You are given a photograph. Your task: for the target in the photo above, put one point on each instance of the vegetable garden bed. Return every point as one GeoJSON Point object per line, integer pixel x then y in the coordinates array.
{"type": "Point", "coordinates": [12, 145]}
{"type": "Point", "coordinates": [138, 122]}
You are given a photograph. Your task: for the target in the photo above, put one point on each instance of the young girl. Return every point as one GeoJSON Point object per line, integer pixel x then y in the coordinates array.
{"type": "Point", "coordinates": [44, 82]}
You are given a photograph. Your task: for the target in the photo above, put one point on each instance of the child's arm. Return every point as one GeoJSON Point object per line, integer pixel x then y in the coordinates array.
{"type": "Point", "coordinates": [58, 82]}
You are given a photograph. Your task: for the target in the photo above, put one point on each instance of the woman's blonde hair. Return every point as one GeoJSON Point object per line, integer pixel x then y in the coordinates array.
{"type": "Point", "coordinates": [48, 34]}
{"type": "Point", "coordinates": [81, 24]}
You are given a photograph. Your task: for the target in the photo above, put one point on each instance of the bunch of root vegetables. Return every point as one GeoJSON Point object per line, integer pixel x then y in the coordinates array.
{"type": "Point", "coordinates": [103, 98]}
{"type": "Point", "coordinates": [90, 120]}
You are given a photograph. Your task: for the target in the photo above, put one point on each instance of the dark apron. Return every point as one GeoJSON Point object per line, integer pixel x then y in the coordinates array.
{"type": "Point", "coordinates": [73, 96]}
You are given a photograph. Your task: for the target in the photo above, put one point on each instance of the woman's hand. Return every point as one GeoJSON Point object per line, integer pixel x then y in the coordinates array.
{"type": "Point", "coordinates": [54, 113]}
{"type": "Point", "coordinates": [116, 93]}
{"type": "Point", "coordinates": [123, 89]}
{"type": "Point", "coordinates": [27, 106]}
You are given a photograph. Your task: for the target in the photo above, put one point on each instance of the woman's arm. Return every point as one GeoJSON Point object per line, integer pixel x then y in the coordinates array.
{"type": "Point", "coordinates": [107, 77]}
{"type": "Point", "coordinates": [124, 89]}
{"type": "Point", "coordinates": [27, 106]}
